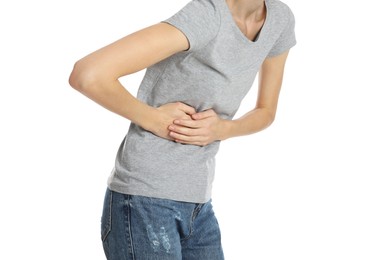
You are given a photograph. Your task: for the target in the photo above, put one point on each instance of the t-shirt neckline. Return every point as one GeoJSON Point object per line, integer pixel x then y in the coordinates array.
{"type": "Point", "coordinates": [260, 35]}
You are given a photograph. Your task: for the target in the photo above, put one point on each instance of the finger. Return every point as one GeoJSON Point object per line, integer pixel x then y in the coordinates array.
{"type": "Point", "coordinates": [182, 130]}
{"type": "Point", "coordinates": [191, 143]}
{"type": "Point", "coordinates": [186, 108]}
{"type": "Point", "coordinates": [184, 137]}
{"type": "Point", "coordinates": [186, 116]}
{"type": "Point", "coordinates": [187, 123]}
{"type": "Point", "coordinates": [203, 115]}
{"type": "Point", "coordinates": [197, 140]}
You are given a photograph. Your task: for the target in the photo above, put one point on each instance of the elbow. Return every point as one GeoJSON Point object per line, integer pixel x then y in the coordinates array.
{"type": "Point", "coordinates": [77, 77]}
{"type": "Point", "coordinates": [82, 77]}
{"type": "Point", "coordinates": [270, 119]}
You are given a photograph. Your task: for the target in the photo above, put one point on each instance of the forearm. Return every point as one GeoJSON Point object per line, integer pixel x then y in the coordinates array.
{"type": "Point", "coordinates": [114, 97]}
{"type": "Point", "coordinates": [110, 94]}
{"type": "Point", "coordinates": [250, 123]}
{"type": "Point", "coordinates": [270, 83]}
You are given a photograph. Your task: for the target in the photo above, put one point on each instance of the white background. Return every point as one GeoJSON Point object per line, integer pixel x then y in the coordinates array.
{"type": "Point", "coordinates": [315, 185]}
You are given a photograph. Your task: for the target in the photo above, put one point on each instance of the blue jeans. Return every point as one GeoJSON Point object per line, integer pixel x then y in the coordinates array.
{"type": "Point", "coordinates": [143, 228]}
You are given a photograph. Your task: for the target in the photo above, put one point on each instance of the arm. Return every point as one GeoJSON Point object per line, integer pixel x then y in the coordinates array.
{"type": "Point", "coordinates": [97, 75]}
{"type": "Point", "coordinates": [264, 113]}
{"type": "Point", "coordinates": [208, 127]}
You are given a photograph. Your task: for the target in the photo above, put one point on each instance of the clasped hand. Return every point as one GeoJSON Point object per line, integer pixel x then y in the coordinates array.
{"type": "Point", "coordinates": [184, 125]}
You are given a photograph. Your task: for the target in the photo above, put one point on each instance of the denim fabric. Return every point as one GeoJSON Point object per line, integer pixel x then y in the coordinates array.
{"type": "Point", "coordinates": [143, 228]}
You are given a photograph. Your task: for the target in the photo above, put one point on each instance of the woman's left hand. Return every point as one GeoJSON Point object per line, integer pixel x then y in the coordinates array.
{"type": "Point", "coordinates": [203, 129]}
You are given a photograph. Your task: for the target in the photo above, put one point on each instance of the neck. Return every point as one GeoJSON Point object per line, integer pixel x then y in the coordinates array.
{"type": "Point", "coordinates": [247, 9]}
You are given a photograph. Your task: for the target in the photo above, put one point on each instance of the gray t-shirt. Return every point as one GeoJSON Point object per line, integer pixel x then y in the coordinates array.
{"type": "Point", "coordinates": [216, 72]}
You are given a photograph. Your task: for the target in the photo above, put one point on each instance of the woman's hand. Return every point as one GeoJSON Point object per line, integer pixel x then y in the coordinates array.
{"type": "Point", "coordinates": [166, 115]}
{"type": "Point", "coordinates": [201, 129]}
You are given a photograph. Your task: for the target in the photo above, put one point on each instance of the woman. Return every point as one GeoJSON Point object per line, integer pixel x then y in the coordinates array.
{"type": "Point", "coordinates": [200, 64]}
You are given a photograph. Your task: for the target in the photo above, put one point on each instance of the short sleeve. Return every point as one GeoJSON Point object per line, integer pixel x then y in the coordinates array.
{"type": "Point", "coordinates": [287, 38]}
{"type": "Point", "coordinates": [199, 20]}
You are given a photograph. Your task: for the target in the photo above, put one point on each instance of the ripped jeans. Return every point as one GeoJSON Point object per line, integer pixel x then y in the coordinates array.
{"type": "Point", "coordinates": [143, 228]}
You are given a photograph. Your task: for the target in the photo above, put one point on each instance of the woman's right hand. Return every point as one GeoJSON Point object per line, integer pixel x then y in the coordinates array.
{"type": "Point", "coordinates": [167, 113]}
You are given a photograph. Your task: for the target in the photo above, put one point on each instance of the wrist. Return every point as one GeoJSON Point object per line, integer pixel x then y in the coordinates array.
{"type": "Point", "coordinates": [144, 115]}
{"type": "Point", "coordinates": [225, 129]}
{"type": "Point", "coordinates": [150, 119]}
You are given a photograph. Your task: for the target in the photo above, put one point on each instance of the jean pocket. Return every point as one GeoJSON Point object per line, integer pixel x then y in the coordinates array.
{"type": "Point", "coordinates": [106, 220]}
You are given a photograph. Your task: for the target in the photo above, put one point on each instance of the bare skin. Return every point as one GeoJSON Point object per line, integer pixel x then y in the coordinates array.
{"type": "Point", "coordinates": [249, 15]}
{"type": "Point", "coordinates": [97, 76]}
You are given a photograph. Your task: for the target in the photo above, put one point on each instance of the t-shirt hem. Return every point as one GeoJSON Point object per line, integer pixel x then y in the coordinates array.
{"type": "Point", "coordinates": [288, 47]}
{"type": "Point", "coordinates": [187, 34]}
{"type": "Point", "coordinates": [133, 191]}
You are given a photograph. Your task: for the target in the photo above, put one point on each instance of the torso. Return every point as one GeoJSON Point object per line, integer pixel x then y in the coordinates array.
{"type": "Point", "coordinates": [216, 73]}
